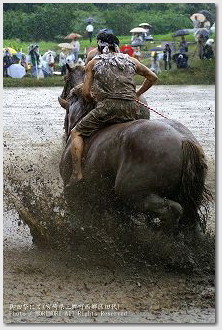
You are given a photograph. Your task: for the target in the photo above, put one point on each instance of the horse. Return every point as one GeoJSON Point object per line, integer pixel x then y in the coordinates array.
{"type": "Point", "coordinates": [155, 166]}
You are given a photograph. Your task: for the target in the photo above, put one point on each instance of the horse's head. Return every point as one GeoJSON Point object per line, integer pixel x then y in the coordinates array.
{"type": "Point", "coordinates": [75, 104]}
{"type": "Point", "coordinates": [74, 76]}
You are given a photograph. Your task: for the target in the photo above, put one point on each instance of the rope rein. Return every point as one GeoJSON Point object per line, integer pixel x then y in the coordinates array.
{"type": "Point", "coordinates": [160, 114]}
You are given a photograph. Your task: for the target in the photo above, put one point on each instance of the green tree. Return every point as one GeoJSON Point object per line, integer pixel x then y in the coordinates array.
{"type": "Point", "coordinates": [121, 20]}
{"type": "Point", "coordinates": [45, 21]}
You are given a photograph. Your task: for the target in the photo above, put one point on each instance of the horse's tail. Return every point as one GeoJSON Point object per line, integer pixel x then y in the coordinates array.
{"type": "Point", "coordinates": [194, 195]}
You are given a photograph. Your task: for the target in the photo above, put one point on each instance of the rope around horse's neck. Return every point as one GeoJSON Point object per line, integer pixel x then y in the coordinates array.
{"type": "Point", "coordinates": [151, 109]}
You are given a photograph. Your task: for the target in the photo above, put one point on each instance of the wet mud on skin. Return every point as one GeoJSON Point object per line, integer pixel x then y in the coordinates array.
{"type": "Point", "coordinates": [67, 286]}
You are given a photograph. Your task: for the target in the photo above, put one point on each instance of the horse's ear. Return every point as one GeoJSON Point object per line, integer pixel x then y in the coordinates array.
{"type": "Point", "coordinates": [68, 67]}
{"type": "Point", "coordinates": [63, 103]}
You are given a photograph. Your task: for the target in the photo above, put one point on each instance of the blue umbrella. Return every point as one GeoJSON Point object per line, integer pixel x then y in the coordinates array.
{"type": "Point", "coordinates": [148, 38]}
{"type": "Point", "coordinates": [156, 49]}
{"type": "Point", "coordinates": [209, 16]}
{"type": "Point", "coordinates": [106, 30]}
{"type": "Point", "coordinates": [90, 20]}
{"type": "Point", "coordinates": [19, 55]}
{"type": "Point", "coordinates": [203, 31]}
{"type": "Point", "coordinates": [180, 33]}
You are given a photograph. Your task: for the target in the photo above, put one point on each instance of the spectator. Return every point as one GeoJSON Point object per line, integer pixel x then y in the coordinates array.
{"type": "Point", "coordinates": [34, 59]}
{"type": "Point", "coordinates": [167, 56]}
{"type": "Point", "coordinates": [200, 45]}
{"type": "Point", "coordinates": [196, 24]}
{"type": "Point", "coordinates": [62, 61]}
{"type": "Point", "coordinates": [181, 61]}
{"type": "Point", "coordinates": [137, 35]}
{"type": "Point", "coordinates": [89, 30]}
{"type": "Point", "coordinates": [183, 46]}
{"type": "Point", "coordinates": [137, 54]}
{"type": "Point", "coordinates": [7, 61]}
{"type": "Point", "coordinates": [48, 63]}
{"type": "Point", "coordinates": [24, 62]}
{"type": "Point", "coordinates": [208, 51]}
{"type": "Point", "coordinates": [76, 47]}
{"type": "Point", "coordinates": [206, 24]}
{"type": "Point", "coordinates": [155, 66]}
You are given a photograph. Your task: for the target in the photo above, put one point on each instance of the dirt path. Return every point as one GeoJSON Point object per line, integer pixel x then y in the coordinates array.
{"type": "Point", "coordinates": [42, 286]}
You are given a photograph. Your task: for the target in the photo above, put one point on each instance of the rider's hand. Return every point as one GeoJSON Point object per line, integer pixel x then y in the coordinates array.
{"type": "Point", "coordinates": [89, 96]}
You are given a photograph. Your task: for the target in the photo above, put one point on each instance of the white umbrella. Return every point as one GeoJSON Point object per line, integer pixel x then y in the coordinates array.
{"type": "Point", "coordinates": [48, 52]}
{"type": "Point", "coordinates": [16, 71]}
{"type": "Point", "coordinates": [198, 16]}
{"type": "Point", "coordinates": [144, 24]}
{"type": "Point", "coordinates": [138, 30]}
{"type": "Point", "coordinates": [65, 45]}
{"type": "Point", "coordinates": [212, 29]}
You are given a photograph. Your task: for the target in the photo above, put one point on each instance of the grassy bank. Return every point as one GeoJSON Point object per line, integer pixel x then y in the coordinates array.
{"type": "Point", "coordinates": [44, 46]}
{"type": "Point", "coordinates": [200, 72]}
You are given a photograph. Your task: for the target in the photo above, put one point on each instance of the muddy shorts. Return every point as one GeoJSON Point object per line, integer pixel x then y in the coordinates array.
{"type": "Point", "coordinates": [111, 111]}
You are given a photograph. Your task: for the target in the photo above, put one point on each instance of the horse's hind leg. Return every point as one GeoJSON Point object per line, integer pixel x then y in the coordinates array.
{"type": "Point", "coordinates": [168, 211]}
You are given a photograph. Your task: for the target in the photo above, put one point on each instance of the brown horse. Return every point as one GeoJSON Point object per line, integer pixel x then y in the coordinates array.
{"type": "Point", "coordinates": [155, 166]}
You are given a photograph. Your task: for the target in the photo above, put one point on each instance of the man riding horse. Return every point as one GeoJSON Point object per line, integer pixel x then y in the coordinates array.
{"type": "Point", "coordinates": [109, 81]}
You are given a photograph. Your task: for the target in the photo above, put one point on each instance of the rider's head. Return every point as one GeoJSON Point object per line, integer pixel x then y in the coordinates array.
{"type": "Point", "coordinates": [107, 40]}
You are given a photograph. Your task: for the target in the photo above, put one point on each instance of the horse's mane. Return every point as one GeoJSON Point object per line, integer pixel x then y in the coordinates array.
{"type": "Point", "coordinates": [79, 105]}
{"type": "Point", "coordinates": [71, 72]}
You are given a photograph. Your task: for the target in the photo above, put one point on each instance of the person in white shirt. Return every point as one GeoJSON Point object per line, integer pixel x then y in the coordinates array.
{"type": "Point", "coordinates": [89, 30]}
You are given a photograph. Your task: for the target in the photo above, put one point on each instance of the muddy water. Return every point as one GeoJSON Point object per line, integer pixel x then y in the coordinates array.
{"type": "Point", "coordinates": [42, 286]}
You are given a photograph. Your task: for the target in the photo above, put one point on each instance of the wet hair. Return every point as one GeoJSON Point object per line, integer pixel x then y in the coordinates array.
{"type": "Point", "coordinates": [107, 38]}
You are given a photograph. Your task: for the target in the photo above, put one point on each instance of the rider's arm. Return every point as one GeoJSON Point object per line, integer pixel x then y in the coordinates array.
{"type": "Point", "coordinates": [92, 53]}
{"type": "Point", "coordinates": [150, 77]}
{"type": "Point", "coordinates": [88, 80]}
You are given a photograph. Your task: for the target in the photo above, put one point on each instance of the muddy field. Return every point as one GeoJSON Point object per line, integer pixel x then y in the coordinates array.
{"type": "Point", "coordinates": [64, 286]}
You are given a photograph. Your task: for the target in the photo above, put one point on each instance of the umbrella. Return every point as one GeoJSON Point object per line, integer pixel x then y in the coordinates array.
{"type": "Point", "coordinates": [145, 24]}
{"type": "Point", "coordinates": [138, 30]}
{"type": "Point", "coordinates": [208, 15]}
{"type": "Point", "coordinates": [11, 50]}
{"type": "Point", "coordinates": [106, 30]}
{"type": "Point", "coordinates": [89, 20]}
{"type": "Point", "coordinates": [16, 71]}
{"type": "Point", "coordinates": [65, 45]}
{"type": "Point", "coordinates": [50, 52]}
{"type": "Point", "coordinates": [212, 29]}
{"type": "Point", "coordinates": [127, 49]}
{"type": "Point", "coordinates": [180, 33]}
{"type": "Point", "coordinates": [198, 16]}
{"type": "Point", "coordinates": [19, 55]}
{"type": "Point", "coordinates": [148, 38]}
{"type": "Point", "coordinates": [44, 56]}
{"type": "Point", "coordinates": [205, 32]}
{"type": "Point", "coordinates": [156, 49]}
{"type": "Point", "coordinates": [73, 35]}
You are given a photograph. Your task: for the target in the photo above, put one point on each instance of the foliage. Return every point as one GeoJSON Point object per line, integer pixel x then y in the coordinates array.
{"type": "Point", "coordinates": [45, 21]}
{"type": "Point", "coordinates": [121, 20]}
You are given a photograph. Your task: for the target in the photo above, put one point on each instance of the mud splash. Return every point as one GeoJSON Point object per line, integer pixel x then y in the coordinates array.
{"type": "Point", "coordinates": [106, 225]}
{"type": "Point", "coordinates": [99, 234]}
